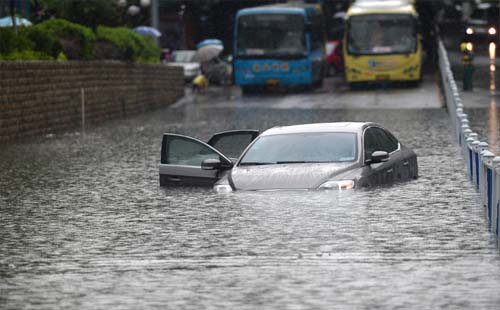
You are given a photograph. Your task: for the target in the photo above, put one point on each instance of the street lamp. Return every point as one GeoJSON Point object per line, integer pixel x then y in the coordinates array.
{"type": "Point", "coordinates": [133, 10]}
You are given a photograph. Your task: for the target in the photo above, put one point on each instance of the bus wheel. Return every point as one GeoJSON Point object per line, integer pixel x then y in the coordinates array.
{"type": "Point", "coordinates": [247, 90]}
{"type": "Point", "coordinates": [319, 83]}
{"type": "Point", "coordinates": [354, 86]}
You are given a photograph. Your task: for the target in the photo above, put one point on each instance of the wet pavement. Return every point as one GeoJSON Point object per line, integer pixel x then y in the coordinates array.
{"type": "Point", "coordinates": [84, 224]}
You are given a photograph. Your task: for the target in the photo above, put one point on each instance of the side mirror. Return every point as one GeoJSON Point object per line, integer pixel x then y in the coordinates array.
{"type": "Point", "coordinates": [215, 164]}
{"type": "Point", "coordinates": [378, 157]}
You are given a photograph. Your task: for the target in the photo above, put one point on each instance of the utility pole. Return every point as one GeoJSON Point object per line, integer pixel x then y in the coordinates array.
{"type": "Point", "coordinates": [155, 18]}
{"type": "Point", "coordinates": [13, 15]}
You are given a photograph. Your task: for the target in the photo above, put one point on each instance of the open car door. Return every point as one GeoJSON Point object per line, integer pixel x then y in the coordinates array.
{"type": "Point", "coordinates": [181, 159]}
{"type": "Point", "coordinates": [232, 143]}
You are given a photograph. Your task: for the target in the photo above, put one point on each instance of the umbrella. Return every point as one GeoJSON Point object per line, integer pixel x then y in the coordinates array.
{"type": "Point", "coordinates": [209, 42]}
{"type": "Point", "coordinates": [147, 31]}
{"type": "Point", "coordinates": [7, 22]}
{"type": "Point", "coordinates": [207, 53]}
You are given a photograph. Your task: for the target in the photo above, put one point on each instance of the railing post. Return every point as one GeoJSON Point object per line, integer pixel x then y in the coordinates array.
{"type": "Point", "coordinates": [495, 196]}
{"type": "Point", "coordinates": [466, 132]}
{"type": "Point", "coordinates": [475, 163]}
{"type": "Point", "coordinates": [481, 147]}
{"type": "Point", "coordinates": [486, 166]}
{"type": "Point", "coordinates": [470, 157]}
{"type": "Point", "coordinates": [464, 122]}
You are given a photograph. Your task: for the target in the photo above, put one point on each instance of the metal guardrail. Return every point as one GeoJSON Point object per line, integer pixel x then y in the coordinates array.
{"type": "Point", "coordinates": [483, 167]}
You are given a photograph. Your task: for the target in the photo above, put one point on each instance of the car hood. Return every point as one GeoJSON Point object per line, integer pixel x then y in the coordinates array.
{"type": "Point", "coordinates": [286, 176]}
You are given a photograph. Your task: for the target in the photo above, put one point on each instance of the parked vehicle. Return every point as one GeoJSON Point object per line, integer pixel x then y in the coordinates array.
{"type": "Point", "coordinates": [184, 59]}
{"type": "Point", "coordinates": [482, 26]}
{"type": "Point", "coordinates": [382, 42]}
{"type": "Point", "coordinates": [279, 44]}
{"type": "Point", "coordinates": [311, 156]}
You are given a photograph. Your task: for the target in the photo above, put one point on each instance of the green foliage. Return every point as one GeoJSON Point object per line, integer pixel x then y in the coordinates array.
{"type": "Point", "coordinates": [90, 13]}
{"type": "Point", "coordinates": [150, 52]}
{"type": "Point", "coordinates": [62, 40]}
{"type": "Point", "coordinates": [25, 55]}
{"type": "Point", "coordinates": [45, 42]}
{"type": "Point", "coordinates": [10, 42]}
{"type": "Point", "coordinates": [77, 41]}
{"type": "Point", "coordinates": [121, 44]}
{"type": "Point", "coordinates": [124, 44]}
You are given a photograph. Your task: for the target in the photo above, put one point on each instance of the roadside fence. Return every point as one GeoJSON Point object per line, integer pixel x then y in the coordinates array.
{"type": "Point", "coordinates": [483, 167]}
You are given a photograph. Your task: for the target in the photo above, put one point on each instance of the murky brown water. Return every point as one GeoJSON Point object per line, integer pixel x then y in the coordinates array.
{"type": "Point", "coordinates": [84, 225]}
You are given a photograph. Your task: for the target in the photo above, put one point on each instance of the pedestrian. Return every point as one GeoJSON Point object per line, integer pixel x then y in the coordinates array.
{"type": "Point", "coordinates": [468, 63]}
{"type": "Point", "coordinates": [167, 56]}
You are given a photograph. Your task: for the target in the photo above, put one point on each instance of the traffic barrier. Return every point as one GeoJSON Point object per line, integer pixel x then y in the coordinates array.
{"type": "Point", "coordinates": [483, 166]}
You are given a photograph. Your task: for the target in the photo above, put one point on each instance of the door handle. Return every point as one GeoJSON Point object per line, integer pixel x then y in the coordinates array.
{"type": "Point", "coordinates": [389, 171]}
{"type": "Point", "coordinates": [406, 163]}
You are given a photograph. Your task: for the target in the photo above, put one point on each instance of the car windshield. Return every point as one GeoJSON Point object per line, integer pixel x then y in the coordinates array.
{"type": "Point", "coordinates": [382, 34]}
{"type": "Point", "coordinates": [183, 56]}
{"type": "Point", "coordinates": [271, 35]}
{"type": "Point", "coordinates": [314, 147]}
{"type": "Point", "coordinates": [486, 12]}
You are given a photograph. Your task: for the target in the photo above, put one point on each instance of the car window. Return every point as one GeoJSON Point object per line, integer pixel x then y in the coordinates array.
{"type": "Point", "coordinates": [302, 147]}
{"type": "Point", "coordinates": [184, 56]}
{"type": "Point", "coordinates": [187, 152]}
{"type": "Point", "coordinates": [370, 144]}
{"type": "Point", "coordinates": [232, 144]}
{"type": "Point", "coordinates": [384, 142]}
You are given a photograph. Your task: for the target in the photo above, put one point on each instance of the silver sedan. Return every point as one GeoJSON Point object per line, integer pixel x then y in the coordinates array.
{"type": "Point", "coordinates": [343, 155]}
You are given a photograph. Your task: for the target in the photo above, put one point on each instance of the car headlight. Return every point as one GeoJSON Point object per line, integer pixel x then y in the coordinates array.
{"type": "Point", "coordinates": [223, 188]}
{"type": "Point", "coordinates": [469, 30]}
{"type": "Point", "coordinates": [492, 31]}
{"type": "Point", "coordinates": [339, 185]}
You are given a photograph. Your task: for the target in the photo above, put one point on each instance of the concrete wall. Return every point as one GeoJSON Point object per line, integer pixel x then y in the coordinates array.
{"type": "Point", "coordinates": [38, 98]}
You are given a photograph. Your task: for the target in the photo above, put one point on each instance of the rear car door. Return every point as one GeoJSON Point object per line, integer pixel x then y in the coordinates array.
{"type": "Point", "coordinates": [181, 158]}
{"type": "Point", "coordinates": [232, 143]}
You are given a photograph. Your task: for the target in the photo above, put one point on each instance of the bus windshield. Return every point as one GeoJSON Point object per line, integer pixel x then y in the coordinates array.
{"type": "Point", "coordinates": [271, 35]}
{"type": "Point", "coordinates": [381, 34]}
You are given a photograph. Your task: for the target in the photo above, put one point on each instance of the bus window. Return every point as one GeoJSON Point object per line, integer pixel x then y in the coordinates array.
{"type": "Point", "coordinates": [382, 34]}
{"type": "Point", "coordinates": [272, 35]}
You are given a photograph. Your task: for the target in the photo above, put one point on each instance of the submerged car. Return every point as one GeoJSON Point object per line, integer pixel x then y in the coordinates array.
{"type": "Point", "coordinates": [339, 156]}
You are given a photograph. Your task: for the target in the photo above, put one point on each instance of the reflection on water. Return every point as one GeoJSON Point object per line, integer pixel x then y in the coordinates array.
{"type": "Point", "coordinates": [84, 225]}
{"type": "Point", "coordinates": [493, 117]}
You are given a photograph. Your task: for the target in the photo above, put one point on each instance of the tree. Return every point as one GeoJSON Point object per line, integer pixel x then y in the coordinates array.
{"type": "Point", "coordinates": [90, 13]}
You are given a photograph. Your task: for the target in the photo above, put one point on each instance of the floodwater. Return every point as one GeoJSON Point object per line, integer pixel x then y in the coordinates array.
{"type": "Point", "coordinates": [84, 225]}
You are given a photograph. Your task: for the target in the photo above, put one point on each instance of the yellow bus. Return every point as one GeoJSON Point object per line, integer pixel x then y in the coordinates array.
{"type": "Point", "coordinates": [382, 42]}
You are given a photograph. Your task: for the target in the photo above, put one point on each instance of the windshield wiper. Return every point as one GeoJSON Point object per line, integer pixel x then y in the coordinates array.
{"type": "Point", "coordinates": [254, 163]}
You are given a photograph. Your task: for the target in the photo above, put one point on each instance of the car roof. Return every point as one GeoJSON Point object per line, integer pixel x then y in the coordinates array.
{"type": "Point", "coordinates": [353, 127]}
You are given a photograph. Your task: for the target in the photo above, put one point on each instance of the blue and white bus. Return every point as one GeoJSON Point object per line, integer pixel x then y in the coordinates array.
{"type": "Point", "coordinates": [280, 44]}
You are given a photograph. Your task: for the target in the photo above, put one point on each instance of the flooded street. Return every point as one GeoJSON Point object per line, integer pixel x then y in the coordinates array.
{"type": "Point", "coordinates": [85, 225]}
